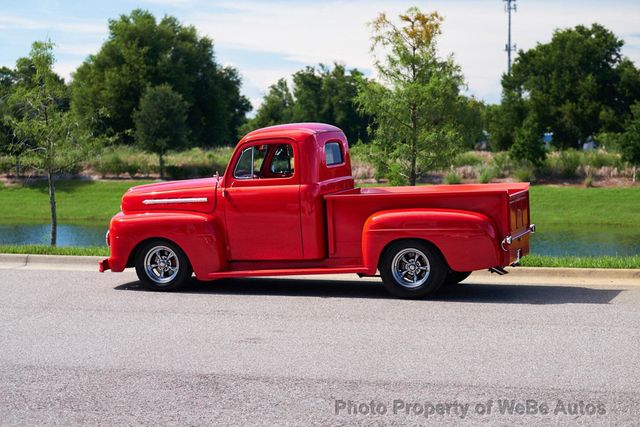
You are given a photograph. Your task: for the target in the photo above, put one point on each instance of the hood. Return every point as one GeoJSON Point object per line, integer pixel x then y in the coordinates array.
{"type": "Point", "coordinates": [189, 195]}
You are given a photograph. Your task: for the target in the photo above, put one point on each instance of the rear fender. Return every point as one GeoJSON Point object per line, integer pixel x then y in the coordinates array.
{"type": "Point", "coordinates": [200, 236]}
{"type": "Point", "coordinates": [467, 240]}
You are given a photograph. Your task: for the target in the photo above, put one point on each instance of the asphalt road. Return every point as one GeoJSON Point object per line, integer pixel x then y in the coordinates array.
{"type": "Point", "coordinates": [79, 347]}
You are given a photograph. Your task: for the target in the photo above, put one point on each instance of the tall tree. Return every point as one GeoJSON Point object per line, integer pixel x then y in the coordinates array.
{"type": "Point", "coordinates": [577, 85]}
{"type": "Point", "coordinates": [307, 91]}
{"type": "Point", "coordinates": [55, 143]}
{"type": "Point", "coordinates": [161, 122]}
{"type": "Point", "coordinates": [11, 108]}
{"type": "Point", "coordinates": [276, 108]}
{"type": "Point", "coordinates": [417, 104]}
{"type": "Point", "coordinates": [322, 94]}
{"type": "Point", "coordinates": [6, 131]}
{"type": "Point", "coordinates": [141, 52]}
{"type": "Point", "coordinates": [630, 141]}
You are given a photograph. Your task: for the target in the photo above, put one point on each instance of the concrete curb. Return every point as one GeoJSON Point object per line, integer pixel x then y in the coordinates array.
{"type": "Point", "coordinates": [559, 272]}
{"type": "Point", "coordinates": [69, 262]}
{"type": "Point", "coordinates": [58, 261]}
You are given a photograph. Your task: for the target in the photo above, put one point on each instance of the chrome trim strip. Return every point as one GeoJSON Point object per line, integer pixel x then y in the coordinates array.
{"type": "Point", "coordinates": [175, 201]}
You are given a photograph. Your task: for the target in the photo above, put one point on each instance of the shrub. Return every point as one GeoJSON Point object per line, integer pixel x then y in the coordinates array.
{"type": "Point", "coordinates": [452, 178]}
{"type": "Point", "coordinates": [525, 174]}
{"type": "Point", "coordinates": [486, 174]}
{"type": "Point", "coordinates": [110, 164]}
{"type": "Point", "coordinates": [501, 163]}
{"type": "Point", "coordinates": [588, 181]}
{"type": "Point", "coordinates": [362, 170]}
{"type": "Point", "coordinates": [467, 159]}
{"type": "Point", "coordinates": [132, 169]}
{"type": "Point", "coordinates": [601, 158]}
{"type": "Point", "coordinates": [147, 169]}
{"type": "Point", "coordinates": [7, 164]}
{"type": "Point", "coordinates": [569, 161]}
{"type": "Point", "coordinates": [177, 172]}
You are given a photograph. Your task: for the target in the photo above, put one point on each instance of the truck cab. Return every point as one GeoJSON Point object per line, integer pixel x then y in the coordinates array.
{"type": "Point", "coordinates": [287, 204]}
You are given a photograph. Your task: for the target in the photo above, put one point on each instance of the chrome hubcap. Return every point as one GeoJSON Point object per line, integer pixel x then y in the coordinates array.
{"type": "Point", "coordinates": [410, 268]}
{"type": "Point", "coordinates": [161, 265]}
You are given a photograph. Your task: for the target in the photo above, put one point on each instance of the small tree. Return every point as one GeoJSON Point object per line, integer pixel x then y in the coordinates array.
{"type": "Point", "coordinates": [55, 142]}
{"type": "Point", "coordinates": [161, 122]}
{"type": "Point", "coordinates": [630, 141]}
{"type": "Point", "coordinates": [416, 106]}
{"type": "Point", "coordinates": [528, 143]}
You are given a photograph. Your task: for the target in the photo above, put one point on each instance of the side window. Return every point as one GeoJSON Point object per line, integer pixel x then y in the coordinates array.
{"type": "Point", "coordinates": [250, 162]}
{"type": "Point", "coordinates": [333, 153]}
{"type": "Point", "coordinates": [282, 161]}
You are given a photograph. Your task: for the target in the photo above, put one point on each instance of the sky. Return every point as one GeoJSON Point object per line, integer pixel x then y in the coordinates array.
{"type": "Point", "coordinates": [267, 40]}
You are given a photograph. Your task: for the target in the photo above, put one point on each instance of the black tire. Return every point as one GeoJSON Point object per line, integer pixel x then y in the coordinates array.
{"type": "Point", "coordinates": [403, 283]}
{"type": "Point", "coordinates": [455, 277]}
{"type": "Point", "coordinates": [172, 266]}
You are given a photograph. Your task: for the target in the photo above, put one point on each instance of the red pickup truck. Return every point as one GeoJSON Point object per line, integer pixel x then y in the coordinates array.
{"type": "Point", "coordinates": [287, 205]}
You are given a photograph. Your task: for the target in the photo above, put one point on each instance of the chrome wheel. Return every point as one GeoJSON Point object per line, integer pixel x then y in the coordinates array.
{"type": "Point", "coordinates": [161, 264]}
{"type": "Point", "coordinates": [410, 268]}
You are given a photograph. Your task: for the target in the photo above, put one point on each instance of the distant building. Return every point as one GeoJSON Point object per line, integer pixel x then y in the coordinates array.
{"type": "Point", "coordinates": [483, 145]}
{"type": "Point", "coordinates": [547, 138]}
{"type": "Point", "coordinates": [590, 144]}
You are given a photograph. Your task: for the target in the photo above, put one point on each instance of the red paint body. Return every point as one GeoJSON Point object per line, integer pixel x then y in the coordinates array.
{"type": "Point", "coordinates": [313, 220]}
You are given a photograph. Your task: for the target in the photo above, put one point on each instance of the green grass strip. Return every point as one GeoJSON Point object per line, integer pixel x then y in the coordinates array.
{"type": "Point", "coordinates": [582, 262]}
{"type": "Point", "coordinates": [55, 250]}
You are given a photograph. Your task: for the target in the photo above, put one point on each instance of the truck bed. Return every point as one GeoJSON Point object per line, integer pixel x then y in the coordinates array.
{"type": "Point", "coordinates": [505, 204]}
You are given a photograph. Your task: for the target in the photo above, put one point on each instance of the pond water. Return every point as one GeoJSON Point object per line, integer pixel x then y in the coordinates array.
{"type": "Point", "coordinates": [39, 234]}
{"type": "Point", "coordinates": [553, 241]}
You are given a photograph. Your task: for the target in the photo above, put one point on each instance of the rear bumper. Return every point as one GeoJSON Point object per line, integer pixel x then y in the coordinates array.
{"type": "Point", "coordinates": [103, 265]}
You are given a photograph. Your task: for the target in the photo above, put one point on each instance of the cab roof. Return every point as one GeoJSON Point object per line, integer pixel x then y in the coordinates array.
{"type": "Point", "coordinates": [292, 130]}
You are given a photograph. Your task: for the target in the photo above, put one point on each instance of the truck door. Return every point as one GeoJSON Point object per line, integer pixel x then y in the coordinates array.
{"type": "Point", "coordinates": [262, 202]}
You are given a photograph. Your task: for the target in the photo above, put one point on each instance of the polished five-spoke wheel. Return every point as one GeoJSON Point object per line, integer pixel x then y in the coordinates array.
{"type": "Point", "coordinates": [412, 269]}
{"type": "Point", "coordinates": [162, 265]}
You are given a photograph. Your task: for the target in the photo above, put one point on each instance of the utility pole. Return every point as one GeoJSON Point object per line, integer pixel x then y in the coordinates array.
{"type": "Point", "coordinates": [510, 5]}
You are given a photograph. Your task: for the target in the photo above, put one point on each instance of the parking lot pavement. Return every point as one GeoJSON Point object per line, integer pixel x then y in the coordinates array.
{"type": "Point", "coordinates": [78, 347]}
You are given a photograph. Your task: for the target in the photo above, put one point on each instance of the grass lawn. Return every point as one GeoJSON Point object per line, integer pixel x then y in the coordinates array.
{"type": "Point", "coordinates": [84, 202]}
{"type": "Point", "coordinates": [97, 201]}
{"type": "Point", "coordinates": [552, 205]}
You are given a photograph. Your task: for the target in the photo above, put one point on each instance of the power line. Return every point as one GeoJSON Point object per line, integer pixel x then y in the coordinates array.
{"type": "Point", "coordinates": [510, 5]}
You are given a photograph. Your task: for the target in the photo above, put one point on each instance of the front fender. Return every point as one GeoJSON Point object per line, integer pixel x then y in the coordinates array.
{"type": "Point", "coordinates": [467, 240]}
{"type": "Point", "coordinates": [199, 235]}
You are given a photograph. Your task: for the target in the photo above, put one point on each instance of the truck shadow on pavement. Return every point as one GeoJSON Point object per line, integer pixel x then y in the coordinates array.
{"type": "Point", "coordinates": [468, 293]}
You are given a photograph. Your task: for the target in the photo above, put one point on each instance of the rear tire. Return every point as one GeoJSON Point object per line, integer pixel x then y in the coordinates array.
{"type": "Point", "coordinates": [162, 266]}
{"type": "Point", "coordinates": [412, 269]}
{"type": "Point", "coordinates": [455, 277]}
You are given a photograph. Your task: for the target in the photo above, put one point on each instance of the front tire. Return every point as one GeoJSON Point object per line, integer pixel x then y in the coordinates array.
{"type": "Point", "coordinates": [412, 269]}
{"type": "Point", "coordinates": [162, 266]}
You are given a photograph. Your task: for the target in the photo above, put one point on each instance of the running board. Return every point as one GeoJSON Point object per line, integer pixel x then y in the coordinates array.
{"type": "Point", "coordinates": [500, 271]}
{"type": "Point", "coordinates": [285, 272]}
